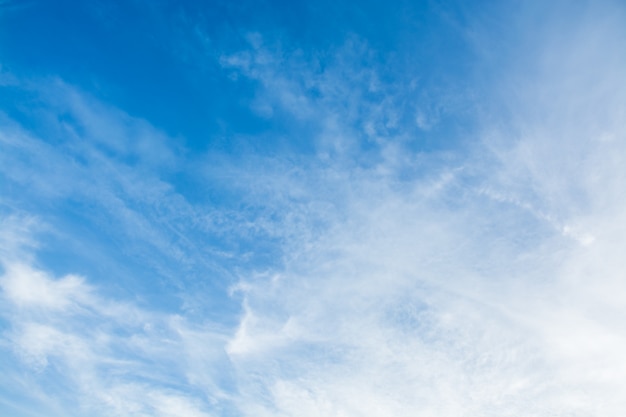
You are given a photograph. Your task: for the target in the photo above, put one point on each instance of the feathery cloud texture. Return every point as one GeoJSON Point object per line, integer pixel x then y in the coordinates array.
{"type": "Point", "coordinates": [363, 226]}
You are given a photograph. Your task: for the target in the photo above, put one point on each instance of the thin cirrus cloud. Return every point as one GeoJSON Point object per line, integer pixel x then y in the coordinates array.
{"type": "Point", "coordinates": [85, 353]}
{"type": "Point", "coordinates": [483, 276]}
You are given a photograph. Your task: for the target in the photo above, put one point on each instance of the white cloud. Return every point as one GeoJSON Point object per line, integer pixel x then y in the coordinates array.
{"type": "Point", "coordinates": [27, 287]}
{"type": "Point", "coordinates": [494, 288]}
{"type": "Point", "coordinates": [107, 357]}
{"type": "Point", "coordinates": [87, 151]}
{"type": "Point", "coordinates": [491, 286]}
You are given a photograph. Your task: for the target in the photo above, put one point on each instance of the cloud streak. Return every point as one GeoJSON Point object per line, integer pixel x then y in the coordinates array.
{"type": "Point", "coordinates": [118, 358]}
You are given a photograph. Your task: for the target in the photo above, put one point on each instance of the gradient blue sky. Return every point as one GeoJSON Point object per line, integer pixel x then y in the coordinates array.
{"type": "Point", "coordinates": [349, 209]}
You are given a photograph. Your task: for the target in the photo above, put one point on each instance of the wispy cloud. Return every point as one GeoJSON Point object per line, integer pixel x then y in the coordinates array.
{"type": "Point", "coordinates": [124, 172]}
{"type": "Point", "coordinates": [492, 288]}
{"type": "Point", "coordinates": [118, 358]}
{"type": "Point", "coordinates": [484, 278]}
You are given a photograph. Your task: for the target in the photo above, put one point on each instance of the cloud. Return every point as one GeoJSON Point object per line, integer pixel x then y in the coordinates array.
{"type": "Point", "coordinates": [480, 280]}
{"type": "Point", "coordinates": [71, 147]}
{"type": "Point", "coordinates": [27, 287]}
{"type": "Point", "coordinates": [491, 286]}
{"type": "Point", "coordinates": [106, 357]}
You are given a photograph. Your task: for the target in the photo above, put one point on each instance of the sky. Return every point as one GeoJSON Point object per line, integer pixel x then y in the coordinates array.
{"type": "Point", "coordinates": [294, 209]}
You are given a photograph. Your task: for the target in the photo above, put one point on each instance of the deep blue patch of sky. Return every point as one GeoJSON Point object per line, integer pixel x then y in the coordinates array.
{"type": "Point", "coordinates": [161, 61]}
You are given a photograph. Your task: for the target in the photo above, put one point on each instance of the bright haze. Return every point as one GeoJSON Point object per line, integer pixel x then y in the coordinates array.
{"type": "Point", "coordinates": [302, 209]}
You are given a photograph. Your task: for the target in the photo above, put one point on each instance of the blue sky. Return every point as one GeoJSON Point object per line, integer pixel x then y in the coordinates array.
{"type": "Point", "coordinates": [303, 209]}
